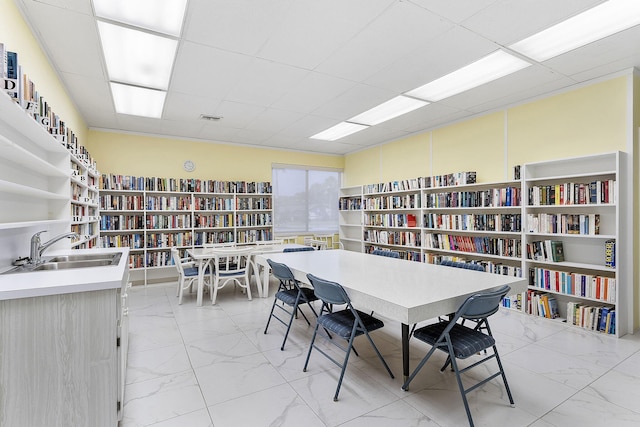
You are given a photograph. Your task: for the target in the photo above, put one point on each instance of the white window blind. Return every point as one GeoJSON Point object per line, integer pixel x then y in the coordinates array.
{"type": "Point", "coordinates": [305, 199]}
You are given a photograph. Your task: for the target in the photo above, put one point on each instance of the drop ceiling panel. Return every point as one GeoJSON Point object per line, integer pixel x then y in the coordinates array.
{"type": "Point", "coordinates": [180, 128]}
{"type": "Point", "coordinates": [206, 71]}
{"type": "Point", "coordinates": [402, 29]}
{"type": "Point", "coordinates": [312, 91]}
{"type": "Point", "coordinates": [452, 49]}
{"type": "Point", "coordinates": [508, 21]}
{"type": "Point", "coordinates": [237, 114]}
{"type": "Point", "coordinates": [188, 108]}
{"type": "Point", "coordinates": [74, 33]}
{"type": "Point", "coordinates": [354, 101]}
{"type": "Point", "coordinates": [274, 120]}
{"type": "Point", "coordinates": [265, 82]}
{"type": "Point", "coordinates": [455, 11]}
{"type": "Point", "coordinates": [241, 26]}
{"type": "Point", "coordinates": [307, 126]}
{"type": "Point", "coordinates": [311, 30]}
{"type": "Point", "coordinates": [81, 6]}
{"type": "Point", "coordinates": [217, 132]}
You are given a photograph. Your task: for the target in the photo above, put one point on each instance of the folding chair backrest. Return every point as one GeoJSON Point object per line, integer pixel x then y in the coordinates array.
{"type": "Point", "coordinates": [482, 305]}
{"type": "Point", "coordinates": [465, 265]}
{"type": "Point", "coordinates": [300, 249]}
{"type": "Point", "coordinates": [281, 271]}
{"type": "Point", "coordinates": [231, 260]}
{"type": "Point", "coordinates": [390, 254]}
{"type": "Point", "coordinates": [175, 256]}
{"type": "Point", "coordinates": [329, 292]}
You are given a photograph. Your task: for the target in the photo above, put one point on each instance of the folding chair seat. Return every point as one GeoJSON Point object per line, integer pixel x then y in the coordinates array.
{"type": "Point", "coordinates": [462, 342]}
{"type": "Point", "coordinates": [291, 294]}
{"type": "Point", "coordinates": [347, 323]}
{"type": "Point", "coordinates": [382, 252]}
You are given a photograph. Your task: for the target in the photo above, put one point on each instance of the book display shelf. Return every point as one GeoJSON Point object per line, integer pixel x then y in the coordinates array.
{"type": "Point", "coordinates": [151, 215]}
{"type": "Point", "coordinates": [562, 226]}
{"type": "Point", "coordinates": [43, 180]}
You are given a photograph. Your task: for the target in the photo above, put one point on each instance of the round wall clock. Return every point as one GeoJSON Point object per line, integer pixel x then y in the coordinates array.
{"type": "Point", "coordinates": [189, 166]}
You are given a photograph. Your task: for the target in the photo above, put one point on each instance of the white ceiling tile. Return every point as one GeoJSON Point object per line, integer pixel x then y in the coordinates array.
{"type": "Point", "coordinates": [206, 71]}
{"type": "Point", "coordinates": [455, 11]}
{"type": "Point", "coordinates": [274, 120]}
{"type": "Point", "coordinates": [453, 49]}
{"type": "Point", "coordinates": [307, 126]}
{"type": "Point", "coordinates": [354, 101]}
{"type": "Point", "coordinates": [237, 114]}
{"type": "Point", "coordinates": [311, 30]}
{"type": "Point", "coordinates": [312, 91]}
{"type": "Point", "coordinates": [264, 82]}
{"type": "Point", "coordinates": [179, 106]}
{"type": "Point", "coordinates": [402, 29]}
{"type": "Point", "coordinates": [236, 25]}
{"type": "Point", "coordinates": [508, 21]}
{"type": "Point", "coordinates": [217, 132]}
{"type": "Point", "coordinates": [75, 38]}
{"type": "Point", "coordinates": [180, 128]}
{"type": "Point", "coordinates": [80, 6]}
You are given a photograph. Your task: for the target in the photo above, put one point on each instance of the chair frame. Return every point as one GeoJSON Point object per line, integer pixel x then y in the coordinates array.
{"type": "Point", "coordinates": [231, 264]}
{"type": "Point", "coordinates": [478, 308]}
{"type": "Point", "coordinates": [332, 294]}
{"type": "Point", "coordinates": [287, 288]}
{"type": "Point", "coordinates": [185, 280]}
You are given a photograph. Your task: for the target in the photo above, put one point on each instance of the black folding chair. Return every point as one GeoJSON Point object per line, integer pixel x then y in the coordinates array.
{"type": "Point", "coordinates": [347, 324]}
{"type": "Point", "coordinates": [461, 342]}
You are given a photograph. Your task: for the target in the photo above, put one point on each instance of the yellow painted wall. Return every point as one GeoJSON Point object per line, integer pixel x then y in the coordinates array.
{"type": "Point", "coordinates": [362, 167]}
{"type": "Point", "coordinates": [16, 36]}
{"type": "Point", "coordinates": [588, 120]}
{"type": "Point", "coordinates": [138, 155]}
{"type": "Point", "coordinates": [472, 145]}
{"type": "Point", "coordinates": [405, 159]}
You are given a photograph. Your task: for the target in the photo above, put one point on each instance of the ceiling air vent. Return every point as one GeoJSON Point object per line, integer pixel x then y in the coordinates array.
{"type": "Point", "coordinates": [210, 118]}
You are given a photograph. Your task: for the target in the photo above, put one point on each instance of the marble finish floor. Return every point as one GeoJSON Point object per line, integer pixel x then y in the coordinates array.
{"type": "Point", "coordinates": [214, 366]}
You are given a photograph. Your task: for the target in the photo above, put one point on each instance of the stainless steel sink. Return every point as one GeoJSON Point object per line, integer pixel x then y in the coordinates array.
{"type": "Point", "coordinates": [73, 264]}
{"type": "Point", "coordinates": [65, 262]}
{"type": "Point", "coordinates": [115, 258]}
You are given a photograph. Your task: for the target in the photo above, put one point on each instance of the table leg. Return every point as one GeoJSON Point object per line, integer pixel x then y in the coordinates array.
{"type": "Point", "coordinates": [405, 352]}
{"type": "Point", "coordinates": [265, 280]}
{"type": "Point", "coordinates": [200, 281]}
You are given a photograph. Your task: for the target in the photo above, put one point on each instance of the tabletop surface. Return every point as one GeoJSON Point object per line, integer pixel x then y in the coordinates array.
{"type": "Point", "coordinates": [406, 291]}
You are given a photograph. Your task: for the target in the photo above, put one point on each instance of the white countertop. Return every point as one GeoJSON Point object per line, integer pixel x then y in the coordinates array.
{"type": "Point", "coordinates": [54, 282]}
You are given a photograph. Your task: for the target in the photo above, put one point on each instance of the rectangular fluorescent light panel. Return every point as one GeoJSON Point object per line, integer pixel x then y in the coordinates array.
{"type": "Point", "coordinates": [164, 16]}
{"type": "Point", "coordinates": [339, 131]}
{"type": "Point", "coordinates": [136, 57]}
{"type": "Point", "coordinates": [138, 101]}
{"type": "Point", "coordinates": [388, 110]}
{"type": "Point", "coordinates": [491, 67]}
{"type": "Point", "coordinates": [594, 24]}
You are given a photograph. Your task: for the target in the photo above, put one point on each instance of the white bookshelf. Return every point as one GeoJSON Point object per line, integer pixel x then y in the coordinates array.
{"type": "Point", "coordinates": [350, 218]}
{"type": "Point", "coordinates": [150, 222]}
{"type": "Point", "coordinates": [452, 230]}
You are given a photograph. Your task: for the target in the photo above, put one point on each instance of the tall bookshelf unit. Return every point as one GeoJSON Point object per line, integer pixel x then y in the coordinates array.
{"type": "Point", "coordinates": [85, 215]}
{"type": "Point", "coordinates": [498, 224]}
{"type": "Point", "coordinates": [350, 218]}
{"type": "Point", "coordinates": [583, 203]}
{"type": "Point", "coordinates": [151, 215]}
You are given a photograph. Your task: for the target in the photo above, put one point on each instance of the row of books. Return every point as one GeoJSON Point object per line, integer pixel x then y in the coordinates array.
{"type": "Point", "coordinates": [254, 220]}
{"type": "Point", "coordinates": [587, 224]}
{"type": "Point", "coordinates": [126, 182]}
{"type": "Point", "coordinates": [158, 222]}
{"type": "Point", "coordinates": [407, 201]}
{"type": "Point", "coordinates": [213, 221]}
{"type": "Point", "coordinates": [132, 241]}
{"type": "Point", "coordinates": [390, 220]}
{"type": "Point", "coordinates": [546, 250]}
{"type": "Point", "coordinates": [251, 236]}
{"type": "Point", "coordinates": [350, 203]}
{"type": "Point", "coordinates": [163, 203]}
{"type": "Point", "coordinates": [83, 210]}
{"type": "Point", "coordinates": [121, 222]}
{"type": "Point", "coordinates": [594, 192]}
{"type": "Point", "coordinates": [481, 245]}
{"type": "Point", "coordinates": [457, 178]}
{"type": "Point", "coordinates": [579, 284]}
{"type": "Point", "coordinates": [595, 318]}
{"type": "Point", "coordinates": [254, 203]}
{"type": "Point", "coordinates": [401, 238]}
{"type": "Point", "coordinates": [21, 89]}
{"type": "Point", "coordinates": [495, 197]}
{"type": "Point", "coordinates": [474, 222]}
{"type": "Point", "coordinates": [167, 240]}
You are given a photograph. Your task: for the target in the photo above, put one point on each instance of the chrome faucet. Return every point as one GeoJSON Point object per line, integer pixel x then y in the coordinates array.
{"type": "Point", "coordinates": [38, 248]}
